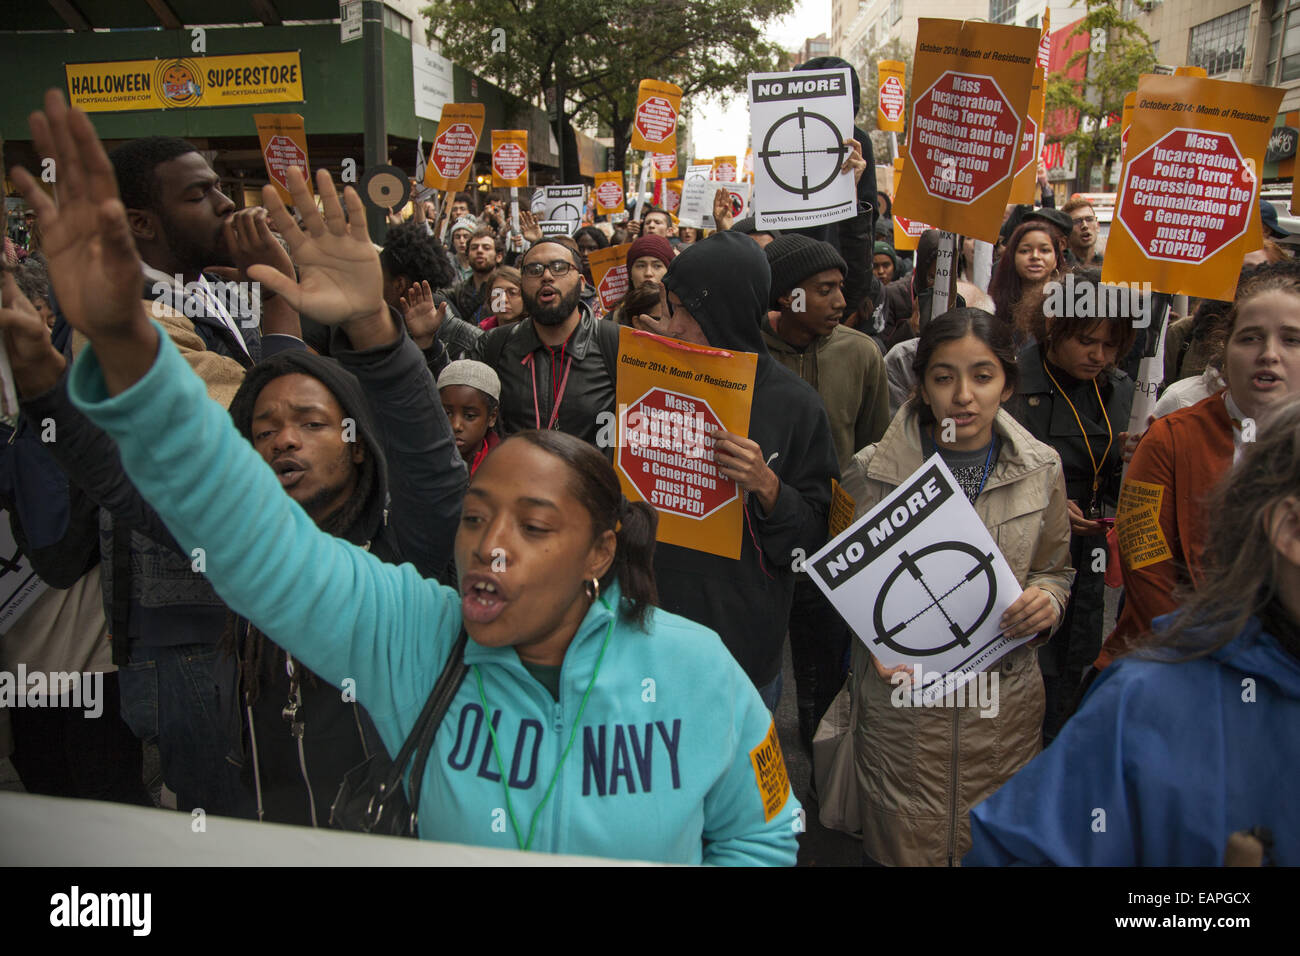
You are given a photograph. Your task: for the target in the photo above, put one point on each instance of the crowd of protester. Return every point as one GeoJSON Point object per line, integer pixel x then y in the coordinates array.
{"type": "Point", "coordinates": [293, 523]}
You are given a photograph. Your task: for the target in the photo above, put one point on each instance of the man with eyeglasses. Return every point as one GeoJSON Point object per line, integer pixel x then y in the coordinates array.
{"type": "Point", "coordinates": [1083, 236]}
{"type": "Point", "coordinates": [558, 364]}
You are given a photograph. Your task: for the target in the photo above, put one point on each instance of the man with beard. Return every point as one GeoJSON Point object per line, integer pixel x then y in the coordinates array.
{"type": "Point", "coordinates": [557, 366]}
{"type": "Point", "coordinates": [1082, 240]}
{"type": "Point", "coordinates": [483, 252]}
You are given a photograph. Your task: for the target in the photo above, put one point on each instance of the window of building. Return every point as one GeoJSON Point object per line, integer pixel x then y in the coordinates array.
{"type": "Point", "coordinates": [396, 22]}
{"type": "Point", "coordinates": [1219, 45]}
{"type": "Point", "coordinates": [1284, 43]}
{"type": "Point", "coordinates": [1032, 21]}
{"type": "Point", "coordinates": [895, 11]}
{"type": "Point", "coordinates": [1002, 11]}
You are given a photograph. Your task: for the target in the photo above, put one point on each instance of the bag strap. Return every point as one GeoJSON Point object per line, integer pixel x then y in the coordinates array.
{"type": "Point", "coordinates": [420, 740]}
{"type": "Point", "coordinates": [453, 675]}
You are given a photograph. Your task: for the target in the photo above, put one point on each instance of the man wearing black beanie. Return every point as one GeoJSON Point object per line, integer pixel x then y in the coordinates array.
{"type": "Point", "coordinates": [718, 295]}
{"type": "Point", "coordinates": [846, 369]}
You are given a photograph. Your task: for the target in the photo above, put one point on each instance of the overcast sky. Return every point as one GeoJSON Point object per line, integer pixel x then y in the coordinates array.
{"type": "Point", "coordinates": [723, 131]}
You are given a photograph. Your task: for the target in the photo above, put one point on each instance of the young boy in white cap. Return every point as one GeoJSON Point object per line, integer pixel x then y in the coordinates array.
{"type": "Point", "coordinates": [470, 394]}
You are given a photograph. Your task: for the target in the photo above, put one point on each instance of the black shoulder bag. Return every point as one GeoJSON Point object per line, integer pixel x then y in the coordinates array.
{"type": "Point", "coordinates": [371, 798]}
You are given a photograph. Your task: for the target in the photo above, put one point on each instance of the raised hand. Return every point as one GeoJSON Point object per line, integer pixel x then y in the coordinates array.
{"type": "Point", "coordinates": [422, 319]}
{"type": "Point", "coordinates": [341, 279]}
{"type": "Point", "coordinates": [94, 267]}
{"type": "Point", "coordinates": [36, 363]}
{"type": "Point", "coordinates": [529, 227]}
{"type": "Point", "coordinates": [722, 214]}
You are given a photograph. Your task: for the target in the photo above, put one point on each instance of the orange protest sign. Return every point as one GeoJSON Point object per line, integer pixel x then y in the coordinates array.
{"type": "Point", "coordinates": [608, 192]}
{"type": "Point", "coordinates": [663, 165]}
{"type": "Point", "coordinates": [509, 158]}
{"type": "Point", "coordinates": [906, 231]}
{"type": "Point", "coordinates": [671, 397]}
{"type": "Point", "coordinates": [453, 147]}
{"type": "Point", "coordinates": [1188, 204]}
{"type": "Point", "coordinates": [1191, 71]}
{"type": "Point", "coordinates": [893, 95]}
{"type": "Point", "coordinates": [609, 274]}
{"type": "Point", "coordinates": [724, 169]}
{"type": "Point", "coordinates": [673, 197]}
{"type": "Point", "coordinates": [1024, 187]}
{"type": "Point", "coordinates": [654, 124]}
{"type": "Point", "coordinates": [284, 144]}
{"type": "Point", "coordinates": [975, 80]}
{"type": "Point", "coordinates": [748, 172]}
{"type": "Point", "coordinates": [1125, 124]}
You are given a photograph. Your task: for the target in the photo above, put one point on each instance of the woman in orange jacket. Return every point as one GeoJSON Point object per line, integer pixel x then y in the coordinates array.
{"type": "Point", "coordinates": [1161, 521]}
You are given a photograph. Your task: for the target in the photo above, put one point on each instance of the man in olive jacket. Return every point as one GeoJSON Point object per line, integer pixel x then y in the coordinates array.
{"type": "Point", "coordinates": [846, 369]}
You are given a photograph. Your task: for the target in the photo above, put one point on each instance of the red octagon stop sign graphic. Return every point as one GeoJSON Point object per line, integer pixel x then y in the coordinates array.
{"type": "Point", "coordinates": [1028, 145]}
{"type": "Point", "coordinates": [667, 454]}
{"type": "Point", "coordinates": [453, 149]}
{"type": "Point", "coordinates": [656, 119]}
{"type": "Point", "coordinates": [1187, 196]}
{"type": "Point", "coordinates": [509, 161]}
{"type": "Point", "coordinates": [892, 99]}
{"type": "Point", "coordinates": [609, 193]}
{"type": "Point", "coordinates": [281, 153]}
{"type": "Point", "coordinates": [965, 137]}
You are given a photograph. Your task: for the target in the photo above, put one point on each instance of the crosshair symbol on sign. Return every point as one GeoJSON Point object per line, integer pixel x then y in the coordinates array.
{"type": "Point", "coordinates": [12, 564]}
{"type": "Point", "coordinates": [936, 582]}
{"type": "Point", "coordinates": [567, 211]}
{"type": "Point", "coordinates": [816, 125]}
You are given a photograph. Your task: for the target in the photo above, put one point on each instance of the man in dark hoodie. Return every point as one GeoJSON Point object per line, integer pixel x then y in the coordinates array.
{"type": "Point", "coordinates": [309, 418]}
{"type": "Point", "coordinates": [852, 238]}
{"type": "Point", "coordinates": [718, 295]}
{"type": "Point", "coordinates": [330, 428]}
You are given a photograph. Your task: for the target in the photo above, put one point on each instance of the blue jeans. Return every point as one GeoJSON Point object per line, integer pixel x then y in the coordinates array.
{"type": "Point", "coordinates": [179, 696]}
{"type": "Point", "coordinates": [771, 693]}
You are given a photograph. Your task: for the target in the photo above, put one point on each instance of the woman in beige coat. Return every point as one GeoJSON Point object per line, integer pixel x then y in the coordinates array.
{"type": "Point", "coordinates": [920, 770]}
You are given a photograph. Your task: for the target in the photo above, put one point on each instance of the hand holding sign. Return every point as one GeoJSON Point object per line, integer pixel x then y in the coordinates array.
{"type": "Point", "coordinates": [854, 160]}
{"type": "Point", "coordinates": [1032, 612]}
{"type": "Point", "coordinates": [341, 279]}
{"type": "Point", "coordinates": [741, 460]}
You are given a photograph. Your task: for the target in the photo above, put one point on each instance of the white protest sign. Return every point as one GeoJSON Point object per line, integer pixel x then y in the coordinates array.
{"type": "Point", "coordinates": [698, 172]}
{"type": "Point", "coordinates": [561, 202]}
{"type": "Point", "coordinates": [555, 227]}
{"type": "Point", "coordinates": [19, 585]}
{"type": "Point", "coordinates": [921, 582]}
{"type": "Point", "coordinates": [799, 123]}
{"type": "Point", "coordinates": [696, 209]}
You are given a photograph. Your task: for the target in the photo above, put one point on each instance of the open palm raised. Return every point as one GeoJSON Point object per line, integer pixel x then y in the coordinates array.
{"type": "Point", "coordinates": [93, 264]}
{"type": "Point", "coordinates": [340, 279]}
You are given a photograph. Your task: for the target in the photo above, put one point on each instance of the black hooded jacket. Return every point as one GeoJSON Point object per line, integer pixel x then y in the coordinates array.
{"type": "Point", "coordinates": [337, 734]}
{"type": "Point", "coordinates": [852, 238]}
{"type": "Point", "coordinates": [724, 282]}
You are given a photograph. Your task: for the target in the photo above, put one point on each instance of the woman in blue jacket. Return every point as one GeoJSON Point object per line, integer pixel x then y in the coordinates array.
{"type": "Point", "coordinates": [590, 722]}
{"type": "Point", "coordinates": [1189, 744]}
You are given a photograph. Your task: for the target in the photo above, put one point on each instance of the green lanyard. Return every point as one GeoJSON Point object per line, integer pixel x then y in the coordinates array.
{"type": "Point", "coordinates": [487, 716]}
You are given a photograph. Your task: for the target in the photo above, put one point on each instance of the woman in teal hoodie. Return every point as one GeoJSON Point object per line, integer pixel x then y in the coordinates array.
{"type": "Point", "coordinates": [590, 722]}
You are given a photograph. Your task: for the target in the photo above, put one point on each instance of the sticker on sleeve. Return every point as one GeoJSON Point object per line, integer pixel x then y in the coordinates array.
{"type": "Point", "coordinates": [841, 511]}
{"type": "Point", "coordinates": [769, 771]}
{"type": "Point", "coordinates": [1137, 524]}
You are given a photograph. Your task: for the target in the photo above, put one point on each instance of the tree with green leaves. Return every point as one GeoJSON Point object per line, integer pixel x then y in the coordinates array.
{"type": "Point", "coordinates": [598, 51]}
{"type": "Point", "coordinates": [1119, 52]}
{"type": "Point", "coordinates": [866, 62]}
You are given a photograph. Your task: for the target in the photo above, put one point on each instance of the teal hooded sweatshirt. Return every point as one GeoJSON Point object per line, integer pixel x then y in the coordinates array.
{"type": "Point", "coordinates": [675, 759]}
